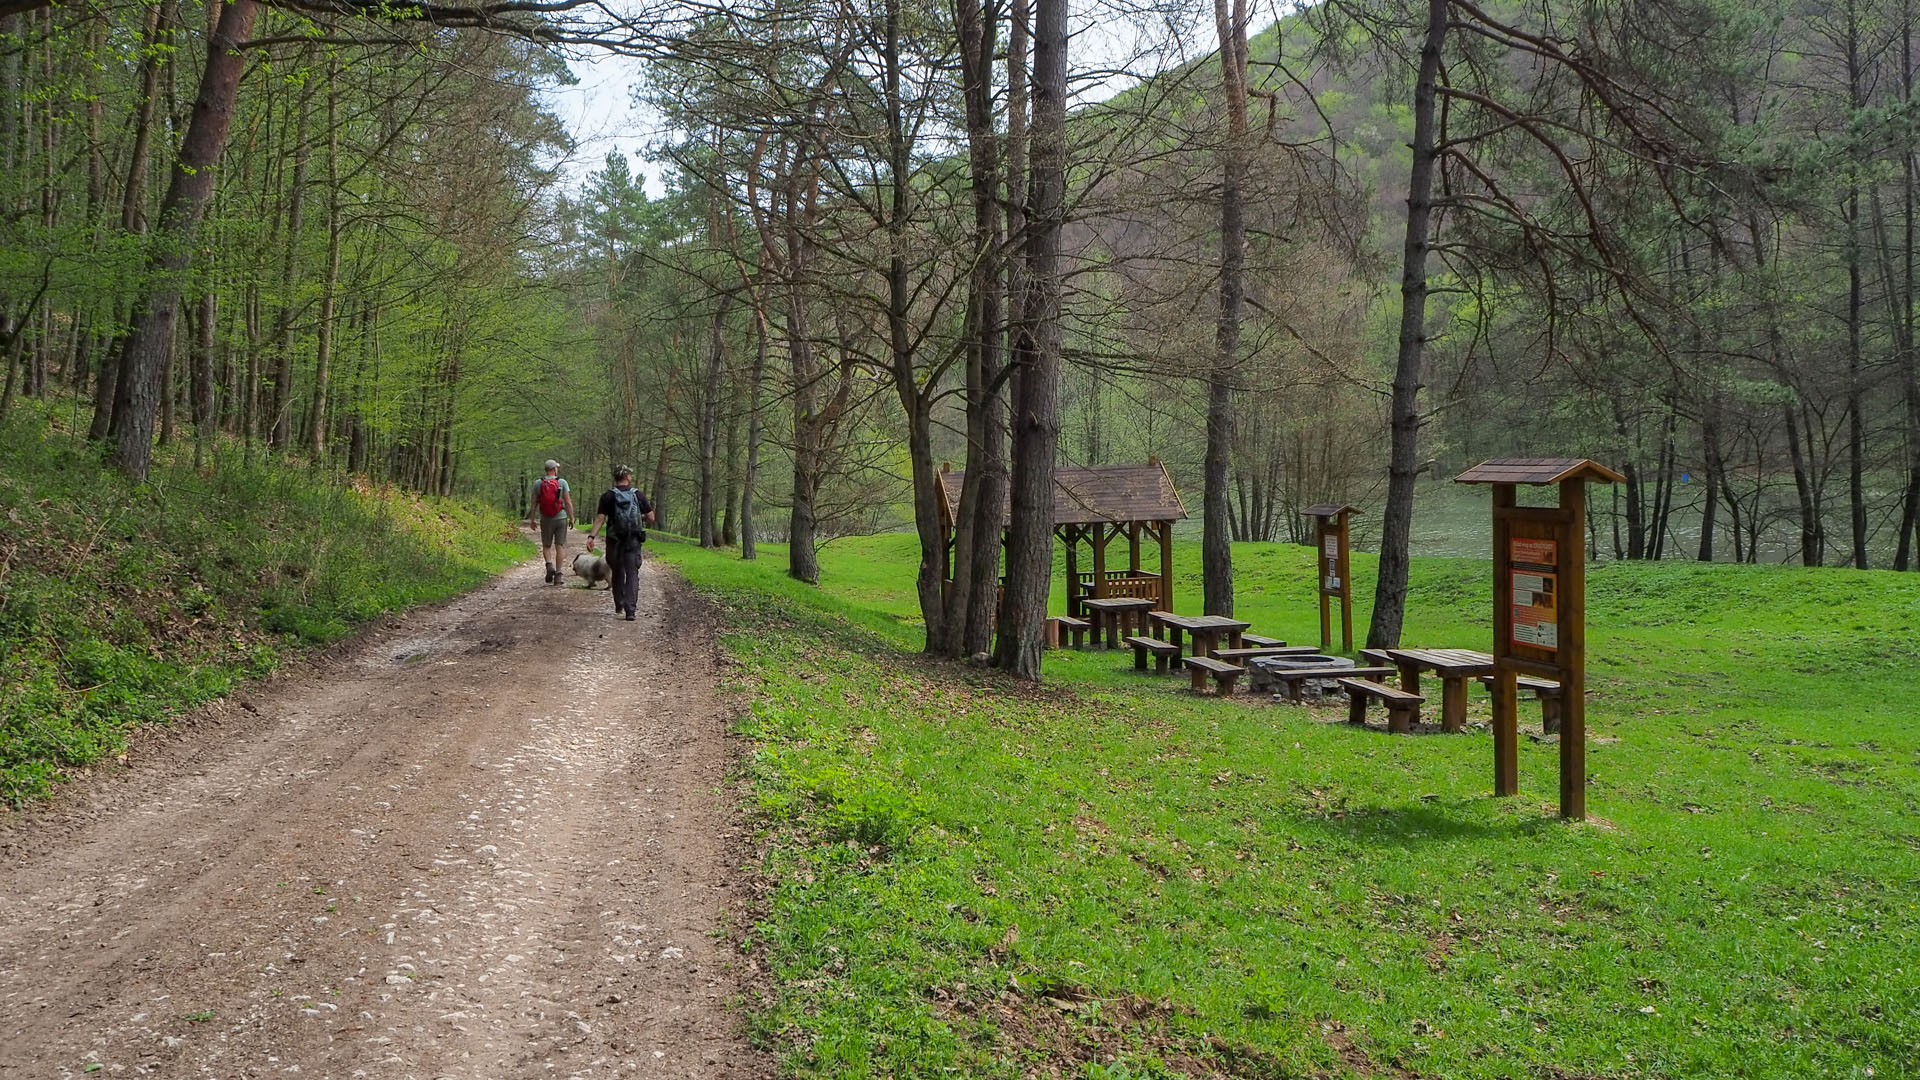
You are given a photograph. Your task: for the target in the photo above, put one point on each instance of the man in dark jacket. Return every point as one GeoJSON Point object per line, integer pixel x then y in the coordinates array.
{"type": "Point", "coordinates": [624, 513]}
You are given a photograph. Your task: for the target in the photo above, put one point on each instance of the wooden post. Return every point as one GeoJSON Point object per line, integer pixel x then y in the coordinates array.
{"type": "Point", "coordinates": [1099, 559]}
{"type": "Point", "coordinates": [1506, 687]}
{"type": "Point", "coordinates": [1346, 588]}
{"type": "Point", "coordinates": [1070, 536]}
{"type": "Point", "coordinates": [1166, 566]}
{"type": "Point", "coordinates": [1133, 547]}
{"type": "Point", "coordinates": [1573, 650]}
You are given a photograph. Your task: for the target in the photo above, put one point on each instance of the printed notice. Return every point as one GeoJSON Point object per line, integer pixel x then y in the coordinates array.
{"type": "Point", "coordinates": [1330, 543]}
{"type": "Point", "coordinates": [1535, 587]}
{"type": "Point", "coordinates": [1333, 585]}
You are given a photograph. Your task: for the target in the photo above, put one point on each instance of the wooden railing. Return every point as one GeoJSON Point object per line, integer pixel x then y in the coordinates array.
{"type": "Point", "coordinates": [1119, 583]}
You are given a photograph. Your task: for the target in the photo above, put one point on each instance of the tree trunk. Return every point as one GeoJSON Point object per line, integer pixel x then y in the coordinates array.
{"type": "Point", "coordinates": [280, 404]}
{"type": "Point", "coordinates": [748, 547]}
{"type": "Point", "coordinates": [1811, 541]}
{"type": "Point", "coordinates": [1216, 544]}
{"type": "Point", "coordinates": [710, 421]}
{"type": "Point", "coordinates": [1403, 466]}
{"type": "Point", "coordinates": [1709, 510]}
{"type": "Point", "coordinates": [1036, 424]}
{"type": "Point", "coordinates": [151, 335]}
{"type": "Point", "coordinates": [977, 529]}
{"type": "Point", "coordinates": [203, 344]}
{"type": "Point", "coordinates": [316, 439]}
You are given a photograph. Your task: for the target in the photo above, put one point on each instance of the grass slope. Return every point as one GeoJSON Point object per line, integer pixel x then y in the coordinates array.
{"type": "Point", "coordinates": [1109, 878]}
{"type": "Point", "coordinates": [123, 605]}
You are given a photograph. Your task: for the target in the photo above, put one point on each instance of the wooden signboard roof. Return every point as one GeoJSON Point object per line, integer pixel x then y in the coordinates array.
{"type": "Point", "coordinates": [1329, 510]}
{"type": "Point", "coordinates": [1537, 471]}
{"type": "Point", "coordinates": [1104, 493]}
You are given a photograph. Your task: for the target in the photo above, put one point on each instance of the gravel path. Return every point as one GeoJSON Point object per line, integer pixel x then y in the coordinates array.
{"type": "Point", "coordinates": [492, 840]}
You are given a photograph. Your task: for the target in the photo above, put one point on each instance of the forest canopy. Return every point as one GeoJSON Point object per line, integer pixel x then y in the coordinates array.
{"type": "Point", "coordinates": [1322, 254]}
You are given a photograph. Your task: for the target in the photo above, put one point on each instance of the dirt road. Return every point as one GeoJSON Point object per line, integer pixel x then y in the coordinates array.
{"type": "Point", "coordinates": [489, 841]}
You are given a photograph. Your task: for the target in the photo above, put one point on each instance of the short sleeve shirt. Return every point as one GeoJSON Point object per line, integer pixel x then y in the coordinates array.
{"type": "Point", "coordinates": [564, 489]}
{"type": "Point", "coordinates": [606, 504]}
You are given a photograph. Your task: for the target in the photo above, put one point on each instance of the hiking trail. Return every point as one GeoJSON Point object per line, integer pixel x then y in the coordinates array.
{"type": "Point", "coordinates": [489, 840]}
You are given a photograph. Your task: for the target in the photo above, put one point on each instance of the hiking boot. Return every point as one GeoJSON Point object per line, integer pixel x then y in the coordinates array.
{"type": "Point", "coordinates": [629, 615]}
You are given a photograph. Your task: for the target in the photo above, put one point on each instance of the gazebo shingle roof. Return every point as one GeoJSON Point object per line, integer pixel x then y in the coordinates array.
{"type": "Point", "coordinates": [1103, 493]}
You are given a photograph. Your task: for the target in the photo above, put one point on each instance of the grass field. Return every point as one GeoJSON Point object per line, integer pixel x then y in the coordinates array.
{"type": "Point", "coordinates": [1106, 877]}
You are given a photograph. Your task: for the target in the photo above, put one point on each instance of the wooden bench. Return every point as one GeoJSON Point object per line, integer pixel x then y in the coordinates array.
{"type": "Point", "coordinates": [1377, 657]}
{"type": "Point", "coordinates": [1546, 690]}
{"type": "Point", "coordinates": [1223, 674]}
{"type": "Point", "coordinates": [1292, 679]}
{"type": "Point", "coordinates": [1262, 641]}
{"type": "Point", "coordinates": [1242, 655]}
{"type": "Point", "coordinates": [1164, 653]}
{"type": "Point", "coordinates": [1071, 626]}
{"type": "Point", "coordinates": [1402, 708]}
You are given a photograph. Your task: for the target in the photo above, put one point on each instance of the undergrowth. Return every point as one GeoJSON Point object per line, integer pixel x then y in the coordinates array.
{"type": "Point", "coordinates": [124, 604]}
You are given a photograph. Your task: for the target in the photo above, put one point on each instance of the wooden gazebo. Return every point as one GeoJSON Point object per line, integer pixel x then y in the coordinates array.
{"type": "Point", "coordinates": [1097, 506]}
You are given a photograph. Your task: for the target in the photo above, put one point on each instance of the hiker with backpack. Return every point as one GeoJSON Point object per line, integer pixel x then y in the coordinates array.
{"type": "Point", "coordinates": [625, 513]}
{"type": "Point", "coordinates": [553, 509]}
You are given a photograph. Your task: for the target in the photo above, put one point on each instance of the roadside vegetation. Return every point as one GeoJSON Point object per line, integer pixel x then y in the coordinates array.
{"type": "Point", "coordinates": [123, 604]}
{"type": "Point", "coordinates": [1106, 877]}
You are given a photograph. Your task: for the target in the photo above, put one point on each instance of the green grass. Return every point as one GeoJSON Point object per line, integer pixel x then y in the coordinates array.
{"type": "Point", "coordinates": [122, 605]}
{"type": "Point", "coordinates": [1108, 877]}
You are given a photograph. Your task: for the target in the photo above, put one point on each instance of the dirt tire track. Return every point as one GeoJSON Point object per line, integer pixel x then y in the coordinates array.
{"type": "Point", "coordinates": [490, 840]}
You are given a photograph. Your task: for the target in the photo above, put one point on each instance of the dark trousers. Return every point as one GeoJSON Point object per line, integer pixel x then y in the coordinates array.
{"type": "Point", "coordinates": [623, 557]}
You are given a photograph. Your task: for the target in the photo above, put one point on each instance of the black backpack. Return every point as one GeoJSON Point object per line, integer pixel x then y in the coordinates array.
{"type": "Point", "coordinates": [625, 522]}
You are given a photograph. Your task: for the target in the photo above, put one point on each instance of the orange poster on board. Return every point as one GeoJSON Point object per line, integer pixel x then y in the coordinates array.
{"type": "Point", "coordinates": [1536, 619]}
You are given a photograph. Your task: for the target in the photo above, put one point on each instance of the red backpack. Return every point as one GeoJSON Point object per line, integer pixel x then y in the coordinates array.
{"type": "Point", "coordinates": [549, 496]}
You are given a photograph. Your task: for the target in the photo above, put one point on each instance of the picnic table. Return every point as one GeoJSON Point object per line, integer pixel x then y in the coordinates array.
{"type": "Point", "coordinates": [1207, 630]}
{"type": "Point", "coordinates": [1454, 667]}
{"type": "Point", "coordinates": [1114, 617]}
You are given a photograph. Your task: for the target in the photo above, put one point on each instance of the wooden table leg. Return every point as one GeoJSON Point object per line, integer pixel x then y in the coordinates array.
{"type": "Point", "coordinates": [1506, 741]}
{"type": "Point", "coordinates": [1409, 676]}
{"type": "Point", "coordinates": [1204, 642]}
{"type": "Point", "coordinates": [1235, 640]}
{"type": "Point", "coordinates": [1453, 703]}
{"type": "Point", "coordinates": [1113, 629]}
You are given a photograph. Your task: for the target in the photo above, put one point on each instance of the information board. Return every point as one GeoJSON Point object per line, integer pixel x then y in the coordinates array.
{"type": "Point", "coordinates": [1536, 619]}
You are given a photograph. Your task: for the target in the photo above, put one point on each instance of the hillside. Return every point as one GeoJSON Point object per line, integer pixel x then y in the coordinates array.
{"type": "Point", "coordinates": [124, 605]}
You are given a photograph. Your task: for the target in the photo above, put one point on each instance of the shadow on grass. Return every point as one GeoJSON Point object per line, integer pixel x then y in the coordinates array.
{"type": "Point", "coordinates": [1424, 823]}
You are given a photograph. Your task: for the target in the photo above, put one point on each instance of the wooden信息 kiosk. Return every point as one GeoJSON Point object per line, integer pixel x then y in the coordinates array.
{"type": "Point", "coordinates": [1540, 609]}
{"type": "Point", "coordinates": [1330, 550]}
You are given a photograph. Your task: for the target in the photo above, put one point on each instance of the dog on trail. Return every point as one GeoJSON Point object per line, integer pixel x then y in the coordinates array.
{"type": "Point", "coordinates": [593, 568]}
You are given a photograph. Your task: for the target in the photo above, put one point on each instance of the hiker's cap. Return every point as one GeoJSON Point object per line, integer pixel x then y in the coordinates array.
{"type": "Point", "coordinates": [552, 465]}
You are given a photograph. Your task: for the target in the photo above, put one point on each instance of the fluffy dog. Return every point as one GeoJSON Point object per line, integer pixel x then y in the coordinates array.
{"type": "Point", "coordinates": [593, 568]}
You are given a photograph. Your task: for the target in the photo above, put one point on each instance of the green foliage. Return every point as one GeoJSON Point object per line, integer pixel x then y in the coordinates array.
{"type": "Point", "coordinates": [1109, 877]}
{"type": "Point", "coordinates": [122, 606]}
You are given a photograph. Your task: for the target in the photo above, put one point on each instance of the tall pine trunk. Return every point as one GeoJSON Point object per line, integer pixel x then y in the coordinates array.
{"type": "Point", "coordinates": [1403, 464]}
{"type": "Point", "coordinates": [1036, 421]}
{"type": "Point", "coordinates": [1216, 544]}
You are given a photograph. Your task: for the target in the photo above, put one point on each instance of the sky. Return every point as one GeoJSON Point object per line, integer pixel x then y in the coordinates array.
{"type": "Point", "coordinates": [600, 114]}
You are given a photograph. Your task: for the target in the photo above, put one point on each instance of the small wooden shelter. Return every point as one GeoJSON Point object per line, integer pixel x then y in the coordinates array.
{"type": "Point", "coordinates": [1096, 506]}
